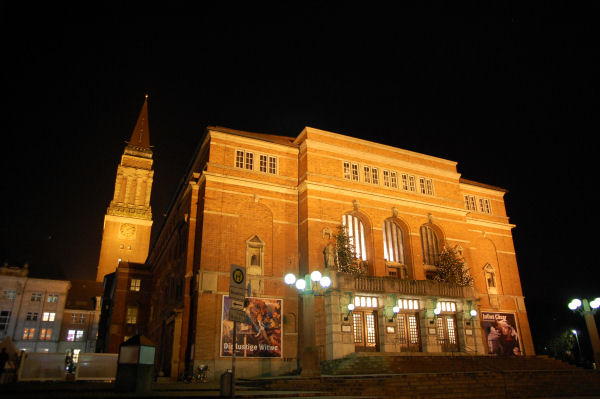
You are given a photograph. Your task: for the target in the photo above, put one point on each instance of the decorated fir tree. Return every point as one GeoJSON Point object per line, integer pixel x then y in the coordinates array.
{"type": "Point", "coordinates": [452, 268]}
{"type": "Point", "coordinates": [345, 259]}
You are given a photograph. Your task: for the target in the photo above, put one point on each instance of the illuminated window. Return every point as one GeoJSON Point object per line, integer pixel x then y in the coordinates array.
{"type": "Point", "coordinates": [365, 301]}
{"type": "Point", "coordinates": [408, 304]}
{"type": "Point", "coordinates": [76, 355]}
{"type": "Point", "coordinates": [132, 313]}
{"type": "Point", "coordinates": [478, 204]}
{"type": "Point", "coordinates": [4, 319]}
{"type": "Point", "coordinates": [79, 335]}
{"type": "Point", "coordinates": [356, 235]}
{"type": "Point", "coordinates": [46, 334]}
{"type": "Point", "coordinates": [386, 178]}
{"type": "Point", "coordinates": [48, 316]}
{"type": "Point", "coordinates": [52, 298]}
{"type": "Point", "coordinates": [446, 307]}
{"type": "Point", "coordinates": [70, 335]}
{"type": "Point", "coordinates": [244, 160]}
{"type": "Point", "coordinates": [28, 333]}
{"type": "Point", "coordinates": [36, 297]}
{"type": "Point", "coordinates": [393, 244]}
{"type": "Point", "coordinates": [430, 246]}
{"type": "Point", "coordinates": [135, 284]}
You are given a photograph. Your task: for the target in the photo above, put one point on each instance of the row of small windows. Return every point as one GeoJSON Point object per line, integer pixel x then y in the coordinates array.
{"type": "Point", "coordinates": [266, 163]}
{"type": "Point", "coordinates": [46, 316]}
{"type": "Point", "coordinates": [477, 204]}
{"type": "Point", "coordinates": [371, 175]}
{"type": "Point", "coordinates": [38, 296]}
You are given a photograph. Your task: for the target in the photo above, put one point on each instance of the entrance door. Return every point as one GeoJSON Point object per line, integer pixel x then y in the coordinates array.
{"type": "Point", "coordinates": [365, 330]}
{"type": "Point", "coordinates": [446, 332]}
{"type": "Point", "coordinates": [408, 332]}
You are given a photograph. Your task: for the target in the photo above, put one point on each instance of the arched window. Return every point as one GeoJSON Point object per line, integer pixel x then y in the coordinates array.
{"type": "Point", "coordinates": [356, 235]}
{"type": "Point", "coordinates": [490, 279]}
{"type": "Point", "coordinates": [430, 246]}
{"type": "Point", "coordinates": [393, 244]}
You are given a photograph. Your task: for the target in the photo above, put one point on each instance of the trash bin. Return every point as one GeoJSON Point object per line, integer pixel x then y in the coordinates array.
{"type": "Point", "coordinates": [226, 384]}
{"type": "Point", "coordinates": [135, 367]}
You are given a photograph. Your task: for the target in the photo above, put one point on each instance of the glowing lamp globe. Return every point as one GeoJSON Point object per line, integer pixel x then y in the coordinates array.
{"type": "Point", "coordinates": [351, 307]}
{"type": "Point", "coordinates": [396, 309]}
{"type": "Point", "coordinates": [574, 304]}
{"type": "Point", "coordinates": [473, 313]}
{"type": "Point", "coordinates": [595, 304]}
{"type": "Point", "coordinates": [315, 276]}
{"type": "Point", "coordinates": [300, 285]}
{"type": "Point", "coordinates": [289, 279]}
{"type": "Point", "coordinates": [325, 282]}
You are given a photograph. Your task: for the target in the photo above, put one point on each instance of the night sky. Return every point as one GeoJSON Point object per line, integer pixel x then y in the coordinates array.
{"type": "Point", "coordinates": [510, 94]}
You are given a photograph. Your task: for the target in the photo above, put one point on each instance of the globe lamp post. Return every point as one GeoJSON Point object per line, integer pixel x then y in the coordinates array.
{"type": "Point", "coordinates": [587, 309]}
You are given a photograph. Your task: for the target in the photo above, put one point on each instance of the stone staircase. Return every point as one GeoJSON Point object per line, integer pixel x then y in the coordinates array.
{"type": "Point", "coordinates": [444, 376]}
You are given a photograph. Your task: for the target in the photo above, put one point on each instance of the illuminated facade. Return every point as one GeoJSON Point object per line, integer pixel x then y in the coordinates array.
{"type": "Point", "coordinates": [273, 204]}
{"type": "Point", "coordinates": [128, 220]}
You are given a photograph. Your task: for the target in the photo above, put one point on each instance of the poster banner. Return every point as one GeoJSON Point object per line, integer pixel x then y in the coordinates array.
{"type": "Point", "coordinates": [259, 336]}
{"type": "Point", "coordinates": [501, 333]}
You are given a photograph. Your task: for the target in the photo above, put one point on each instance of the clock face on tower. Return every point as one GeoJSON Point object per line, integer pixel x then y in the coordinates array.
{"type": "Point", "coordinates": [127, 230]}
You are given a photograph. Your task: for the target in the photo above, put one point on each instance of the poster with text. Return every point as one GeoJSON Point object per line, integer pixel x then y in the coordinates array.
{"type": "Point", "coordinates": [260, 335]}
{"type": "Point", "coordinates": [501, 333]}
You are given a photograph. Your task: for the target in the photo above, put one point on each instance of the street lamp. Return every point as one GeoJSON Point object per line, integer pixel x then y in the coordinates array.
{"type": "Point", "coordinates": [587, 309]}
{"type": "Point", "coordinates": [308, 287]}
{"type": "Point", "coordinates": [577, 339]}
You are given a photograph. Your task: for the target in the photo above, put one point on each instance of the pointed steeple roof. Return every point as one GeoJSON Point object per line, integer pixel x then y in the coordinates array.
{"type": "Point", "coordinates": [140, 137]}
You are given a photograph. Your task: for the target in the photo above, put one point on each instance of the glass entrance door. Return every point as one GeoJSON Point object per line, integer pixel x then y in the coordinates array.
{"type": "Point", "coordinates": [408, 332]}
{"type": "Point", "coordinates": [446, 332]}
{"type": "Point", "coordinates": [365, 330]}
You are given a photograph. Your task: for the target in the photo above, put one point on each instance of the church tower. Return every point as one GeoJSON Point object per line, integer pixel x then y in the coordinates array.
{"type": "Point", "coordinates": [128, 220]}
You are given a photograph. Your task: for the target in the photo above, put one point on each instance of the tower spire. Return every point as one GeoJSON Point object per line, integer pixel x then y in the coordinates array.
{"type": "Point", "coordinates": [140, 137]}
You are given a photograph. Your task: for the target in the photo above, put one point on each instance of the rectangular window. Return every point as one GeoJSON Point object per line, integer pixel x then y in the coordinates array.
{"type": "Point", "coordinates": [135, 284]}
{"type": "Point", "coordinates": [239, 159]}
{"type": "Point", "coordinates": [394, 179]}
{"type": "Point", "coordinates": [28, 333]}
{"type": "Point", "coordinates": [355, 172]}
{"type": "Point", "coordinates": [486, 203]}
{"type": "Point", "coordinates": [404, 181]}
{"type": "Point", "coordinates": [375, 175]}
{"type": "Point", "coordinates": [273, 165]}
{"type": "Point", "coordinates": [367, 174]}
{"type": "Point", "coordinates": [78, 318]}
{"type": "Point", "coordinates": [250, 161]}
{"type": "Point", "coordinates": [76, 355]}
{"type": "Point", "coordinates": [9, 295]}
{"type": "Point", "coordinates": [79, 335]}
{"type": "Point", "coordinates": [132, 313]}
{"type": "Point", "coordinates": [386, 178]}
{"type": "Point", "coordinates": [481, 207]}
{"type": "Point", "coordinates": [411, 181]}
{"type": "Point", "coordinates": [4, 319]}
{"type": "Point", "coordinates": [36, 297]}
{"type": "Point", "coordinates": [48, 316]}
{"type": "Point", "coordinates": [263, 163]}
{"type": "Point", "coordinates": [347, 174]}
{"type": "Point", "coordinates": [467, 206]}
{"type": "Point", "coordinates": [52, 298]}
{"type": "Point", "coordinates": [46, 334]}
{"type": "Point", "coordinates": [32, 316]}
{"type": "Point", "coordinates": [472, 203]}
{"type": "Point", "coordinates": [71, 335]}
{"type": "Point", "coordinates": [428, 186]}
{"type": "Point", "coordinates": [422, 185]}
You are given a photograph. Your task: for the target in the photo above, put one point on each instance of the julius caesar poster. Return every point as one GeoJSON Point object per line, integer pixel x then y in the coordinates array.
{"type": "Point", "coordinates": [501, 333]}
{"type": "Point", "coordinates": [260, 335]}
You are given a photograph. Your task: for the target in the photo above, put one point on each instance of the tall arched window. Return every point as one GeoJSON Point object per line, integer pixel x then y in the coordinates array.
{"type": "Point", "coordinates": [356, 235]}
{"type": "Point", "coordinates": [393, 244]}
{"type": "Point", "coordinates": [430, 246]}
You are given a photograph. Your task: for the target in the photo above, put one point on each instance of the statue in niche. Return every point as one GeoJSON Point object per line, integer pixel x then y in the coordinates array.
{"type": "Point", "coordinates": [329, 254]}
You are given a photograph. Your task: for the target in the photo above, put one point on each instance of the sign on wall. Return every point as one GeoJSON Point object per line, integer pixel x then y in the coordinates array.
{"type": "Point", "coordinates": [260, 333]}
{"type": "Point", "coordinates": [501, 333]}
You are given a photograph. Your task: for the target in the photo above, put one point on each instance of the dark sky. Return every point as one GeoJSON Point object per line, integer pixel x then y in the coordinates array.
{"type": "Point", "coordinates": [510, 94]}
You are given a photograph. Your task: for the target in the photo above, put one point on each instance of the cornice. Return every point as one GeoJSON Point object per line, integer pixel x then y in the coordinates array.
{"type": "Point", "coordinates": [242, 140]}
{"type": "Point", "coordinates": [241, 181]}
